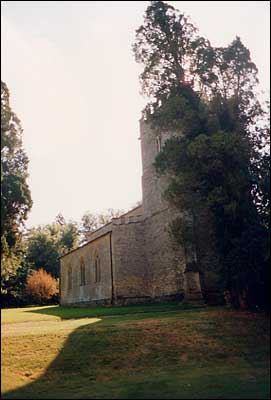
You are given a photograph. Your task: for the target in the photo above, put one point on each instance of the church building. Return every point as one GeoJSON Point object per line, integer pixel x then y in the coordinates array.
{"type": "Point", "coordinates": [132, 259]}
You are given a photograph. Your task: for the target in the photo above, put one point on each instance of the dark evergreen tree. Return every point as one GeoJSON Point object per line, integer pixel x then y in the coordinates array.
{"type": "Point", "coordinates": [218, 155]}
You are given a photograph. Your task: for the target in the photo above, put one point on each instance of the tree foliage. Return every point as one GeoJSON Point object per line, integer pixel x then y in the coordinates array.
{"type": "Point", "coordinates": [46, 244]}
{"type": "Point", "coordinates": [218, 155]}
{"type": "Point", "coordinates": [169, 47]}
{"type": "Point", "coordinates": [92, 221]}
{"type": "Point", "coordinates": [15, 194]}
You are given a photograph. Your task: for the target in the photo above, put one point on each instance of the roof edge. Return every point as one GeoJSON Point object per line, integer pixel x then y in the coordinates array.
{"type": "Point", "coordinates": [90, 241]}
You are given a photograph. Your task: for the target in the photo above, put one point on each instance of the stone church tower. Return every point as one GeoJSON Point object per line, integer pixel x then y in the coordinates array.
{"type": "Point", "coordinates": [132, 259]}
{"type": "Point", "coordinates": [166, 263]}
{"type": "Point", "coordinates": [167, 260]}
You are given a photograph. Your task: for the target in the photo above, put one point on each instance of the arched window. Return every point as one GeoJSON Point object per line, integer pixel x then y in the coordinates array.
{"type": "Point", "coordinates": [97, 269]}
{"type": "Point", "coordinates": [88, 267]}
{"type": "Point", "coordinates": [69, 277]}
{"type": "Point", "coordinates": [82, 272]}
{"type": "Point", "coordinates": [158, 143]}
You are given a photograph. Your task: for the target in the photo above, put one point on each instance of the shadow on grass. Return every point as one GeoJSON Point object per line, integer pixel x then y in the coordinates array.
{"type": "Point", "coordinates": [66, 374]}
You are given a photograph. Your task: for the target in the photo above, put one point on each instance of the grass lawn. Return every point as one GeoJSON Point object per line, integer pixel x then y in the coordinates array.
{"type": "Point", "coordinates": [13, 315]}
{"type": "Point", "coordinates": [162, 351]}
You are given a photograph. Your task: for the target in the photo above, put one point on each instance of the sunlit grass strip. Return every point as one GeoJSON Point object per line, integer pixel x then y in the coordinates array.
{"type": "Point", "coordinates": [46, 313]}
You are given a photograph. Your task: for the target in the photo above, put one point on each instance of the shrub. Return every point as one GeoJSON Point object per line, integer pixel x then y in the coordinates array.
{"type": "Point", "coordinates": [41, 286]}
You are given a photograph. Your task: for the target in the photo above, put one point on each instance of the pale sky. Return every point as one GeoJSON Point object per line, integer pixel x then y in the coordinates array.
{"type": "Point", "coordinates": [74, 85]}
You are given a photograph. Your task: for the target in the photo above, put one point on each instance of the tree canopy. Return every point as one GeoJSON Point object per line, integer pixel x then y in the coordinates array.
{"type": "Point", "coordinates": [45, 244]}
{"type": "Point", "coordinates": [16, 199]}
{"type": "Point", "coordinates": [218, 155]}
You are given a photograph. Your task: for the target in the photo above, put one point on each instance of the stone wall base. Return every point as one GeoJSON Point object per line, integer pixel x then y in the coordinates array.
{"type": "Point", "coordinates": [125, 301]}
{"type": "Point", "coordinates": [192, 287]}
{"type": "Point", "coordinates": [93, 303]}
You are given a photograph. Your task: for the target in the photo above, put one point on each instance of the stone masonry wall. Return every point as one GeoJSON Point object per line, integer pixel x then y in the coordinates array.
{"type": "Point", "coordinates": [165, 259]}
{"type": "Point", "coordinates": [108, 227]}
{"type": "Point", "coordinates": [92, 292]}
{"type": "Point", "coordinates": [131, 274]}
{"type": "Point", "coordinates": [99, 232]}
{"type": "Point", "coordinates": [152, 185]}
